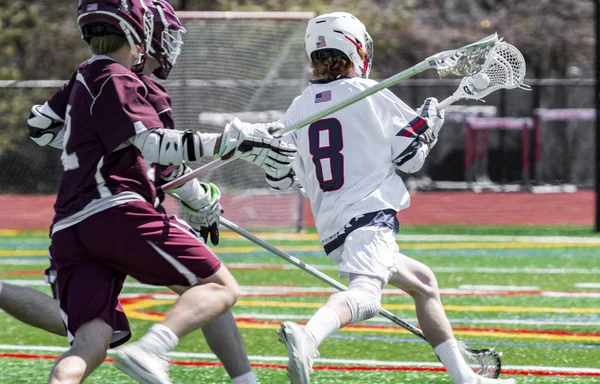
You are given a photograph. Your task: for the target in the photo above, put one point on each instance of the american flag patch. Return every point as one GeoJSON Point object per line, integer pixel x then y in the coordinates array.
{"type": "Point", "coordinates": [322, 97]}
{"type": "Point", "coordinates": [321, 42]}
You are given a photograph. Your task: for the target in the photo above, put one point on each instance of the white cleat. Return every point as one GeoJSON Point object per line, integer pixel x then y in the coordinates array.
{"type": "Point", "coordinates": [483, 380]}
{"type": "Point", "coordinates": [140, 362]}
{"type": "Point", "coordinates": [302, 349]}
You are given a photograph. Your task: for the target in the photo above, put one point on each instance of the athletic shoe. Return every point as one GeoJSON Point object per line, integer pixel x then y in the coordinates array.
{"type": "Point", "coordinates": [139, 361]}
{"type": "Point", "coordinates": [302, 349]}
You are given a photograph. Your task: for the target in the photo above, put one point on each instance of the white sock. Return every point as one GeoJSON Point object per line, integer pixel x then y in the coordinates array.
{"type": "Point", "coordinates": [451, 358]}
{"type": "Point", "coordinates": [323, 324]}
{"type": "Point", "coordinates": [161, 337]}
{"type": "Point", "coordinates": [246, 378]}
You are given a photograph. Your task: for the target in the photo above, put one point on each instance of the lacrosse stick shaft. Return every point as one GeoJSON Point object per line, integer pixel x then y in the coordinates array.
{"type": "Point", "coordinates": [447, 101]}
{"type": "Point", "coordinates": [407, 73]}
{"type": "Point", "coordinates": [314, 272]}
{"type": "Point", "coordinates": [217, 163]}
{"type": "Point", "coordinates": [432, 62]}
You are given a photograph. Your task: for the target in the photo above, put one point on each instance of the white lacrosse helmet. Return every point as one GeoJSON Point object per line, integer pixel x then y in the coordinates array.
{"type": "Point", "coordinates": [343, 32]}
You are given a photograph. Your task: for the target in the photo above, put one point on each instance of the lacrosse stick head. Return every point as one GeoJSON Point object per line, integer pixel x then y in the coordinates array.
{"type": "Point", "coordinates": [465, 61]}
{"type": "Point", "coordinates": [504, 69]}
{"type": "Point", "coordinates": [485, 362]}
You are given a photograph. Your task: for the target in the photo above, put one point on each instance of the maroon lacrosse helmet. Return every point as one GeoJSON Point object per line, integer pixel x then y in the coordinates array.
{"type": "Point", "coordinates": [130, 18]}
{"type": "Point", "coordinates": [166, 39]}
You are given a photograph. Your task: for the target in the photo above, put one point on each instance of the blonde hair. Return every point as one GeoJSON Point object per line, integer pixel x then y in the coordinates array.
{"type": "Point", "coordinates": [104, 44]}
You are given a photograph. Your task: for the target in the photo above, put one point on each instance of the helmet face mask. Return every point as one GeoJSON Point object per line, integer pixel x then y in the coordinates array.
{"type": "Point", "coordinates": [172, 40]}
{"type": "Point", "coordinates": [342, 32]}
{"type": "Point", "coordinates": [167, 38]}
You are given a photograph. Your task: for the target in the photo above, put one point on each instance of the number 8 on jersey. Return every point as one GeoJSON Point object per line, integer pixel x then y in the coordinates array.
{"type": "Point", "coordinates": [326, 143]}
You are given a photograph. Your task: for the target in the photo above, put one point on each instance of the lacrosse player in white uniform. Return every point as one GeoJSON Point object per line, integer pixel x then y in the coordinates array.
{"type": "Point", "coordinates": [346, 164]}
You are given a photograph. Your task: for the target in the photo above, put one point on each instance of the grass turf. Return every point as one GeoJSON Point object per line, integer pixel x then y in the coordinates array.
{"type": "Point", "coordinates": [481, 320]}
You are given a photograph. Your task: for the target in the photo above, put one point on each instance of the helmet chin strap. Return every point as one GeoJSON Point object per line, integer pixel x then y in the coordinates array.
{"type": "Point", "coordinates": [135, 52]}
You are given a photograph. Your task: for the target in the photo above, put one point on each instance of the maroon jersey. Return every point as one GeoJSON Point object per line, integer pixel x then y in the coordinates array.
{"type": "Point", "coordinates": [157, 96]}
{"type": "Point", "coordinates": [107, 105]}
{"type": "Point", "coordinates": [160, 100]}
{"type": "Point", "coordinates": [59, 101]}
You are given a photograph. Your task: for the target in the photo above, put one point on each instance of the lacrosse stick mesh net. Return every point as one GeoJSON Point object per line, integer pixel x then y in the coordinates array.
{"type": "Point", "coordinates": [467, 61]}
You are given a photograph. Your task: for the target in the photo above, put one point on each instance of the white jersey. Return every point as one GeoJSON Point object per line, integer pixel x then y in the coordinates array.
{"type": "Point", "coordinates": [344, 162]}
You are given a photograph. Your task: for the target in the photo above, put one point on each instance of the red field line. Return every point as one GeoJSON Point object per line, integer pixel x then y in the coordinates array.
{"type": "Point", "coordinates": [323, 367]}
{"type": "Point", "coordinates": [21, 273]}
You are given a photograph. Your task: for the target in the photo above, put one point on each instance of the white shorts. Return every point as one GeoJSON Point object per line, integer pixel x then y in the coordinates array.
{"type": "Point", "coordinates": [370, 251]}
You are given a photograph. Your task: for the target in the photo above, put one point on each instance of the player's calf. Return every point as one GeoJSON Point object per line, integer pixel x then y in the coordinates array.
{"type": "Point", "coordinates": [32, 307]}
{"type": "Point", "coordinates": [88, 351]}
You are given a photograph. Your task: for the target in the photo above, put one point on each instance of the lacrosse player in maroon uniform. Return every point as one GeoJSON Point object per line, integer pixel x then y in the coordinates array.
{"type": "Point", "coordinates": [106, 226]}
{"type": "Point", "coordinates": [46, 128]}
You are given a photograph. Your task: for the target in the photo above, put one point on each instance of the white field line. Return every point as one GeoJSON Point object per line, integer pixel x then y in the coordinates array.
{"type": "Point", "coordinates": [254, 290]}
{"type": "Point", "coordinates": [589, 295]}
{"type": "Point", "coordinates": [587, 285]}
{"type": "Point", "coordinates": [539, 271]}
{"type": "Point", "coordinates": [520, 239]}
{"type": "Point", "coordinates": [257, 358]}
{"type": "Point", "coordinates": [495, 288]}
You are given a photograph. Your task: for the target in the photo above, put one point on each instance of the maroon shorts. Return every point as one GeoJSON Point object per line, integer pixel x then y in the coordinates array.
{"type": "Point", "coordinates": [94, 257]}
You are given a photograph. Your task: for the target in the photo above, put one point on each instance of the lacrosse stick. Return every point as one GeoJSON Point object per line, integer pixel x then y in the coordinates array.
{"type": "Point", "coordinates": [485, 362]}
{"type": "Point", "coordinates": [466, 61]}
{"type": "Point", "coordinates": [504, 69]}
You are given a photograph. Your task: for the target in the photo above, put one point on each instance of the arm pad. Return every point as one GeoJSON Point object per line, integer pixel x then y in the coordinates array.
{"type": "Point", "coordinates": [172, 147]}
{"type": "Point", "coordinates": [45, 127]}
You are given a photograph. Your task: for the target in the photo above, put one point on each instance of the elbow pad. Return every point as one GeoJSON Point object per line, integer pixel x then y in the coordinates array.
{"type": "Point", "coordinates": [168, 146]}
{"type": "Point", "coordinates": [44, 129]}
{"type": "Point", "coordinates": [412, 161]}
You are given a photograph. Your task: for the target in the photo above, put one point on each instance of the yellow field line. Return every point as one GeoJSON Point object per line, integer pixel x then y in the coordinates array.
{"type": "Point", "coordinates": [23, 252]}
{"type": "Point", "coordinates": [132, 311]}
{"type": "Point", "coordinates": [20, 232]}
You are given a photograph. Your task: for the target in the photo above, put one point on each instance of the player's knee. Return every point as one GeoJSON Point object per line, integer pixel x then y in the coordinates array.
{"type": "Point", "coordinates": [363, 297]}
{"type": "Point", "coordinates": [428, 280]}
{"type": "Point", "coordinates": [67, 372]}
{"type": "Point", "coordinates": [427, 285]}
{"type": "Point", "coordinates": [226, 294]}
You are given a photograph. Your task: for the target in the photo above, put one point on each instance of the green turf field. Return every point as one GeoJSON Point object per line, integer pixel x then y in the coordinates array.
{"type": "Point", "coordinates": [535, 299]}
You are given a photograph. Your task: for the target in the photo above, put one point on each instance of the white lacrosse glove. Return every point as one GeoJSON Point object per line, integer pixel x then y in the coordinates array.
{"type": "Point", "coordinates": [255, 144]}
{"type": "Point", "coordinates": [282, 179]}
{"type": "Point", "coordinates": [204, 213]}
{"type": "Point", "coordinates": [434, 118]}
